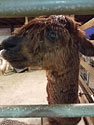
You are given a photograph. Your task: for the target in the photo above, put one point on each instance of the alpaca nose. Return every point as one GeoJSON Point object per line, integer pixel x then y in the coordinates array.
{"type": "Point", "coordinates": [10, 42]}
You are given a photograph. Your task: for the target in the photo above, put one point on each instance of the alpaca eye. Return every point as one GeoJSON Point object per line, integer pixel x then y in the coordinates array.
{"type": "Point", "coordinates": [51, 35]}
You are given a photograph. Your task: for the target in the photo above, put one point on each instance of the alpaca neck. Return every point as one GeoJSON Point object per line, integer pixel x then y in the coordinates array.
{"type": "Point", "coordinates": [62, 86]}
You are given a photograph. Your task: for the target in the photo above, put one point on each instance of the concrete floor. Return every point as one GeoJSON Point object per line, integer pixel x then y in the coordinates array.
{"type": "Point", "coordinates": [24, 88]}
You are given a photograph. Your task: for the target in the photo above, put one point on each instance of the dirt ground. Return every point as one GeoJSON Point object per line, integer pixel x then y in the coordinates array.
{"type": "Point", "coordinates": [23, 88]}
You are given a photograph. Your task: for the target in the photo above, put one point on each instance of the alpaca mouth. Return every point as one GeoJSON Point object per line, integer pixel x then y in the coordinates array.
{"type": "Point", "coordinates": [10, 56]}
{"type": "Point", "coordinates": [18, 63]}
{"type": "Point", "coordinates": [14, 60]}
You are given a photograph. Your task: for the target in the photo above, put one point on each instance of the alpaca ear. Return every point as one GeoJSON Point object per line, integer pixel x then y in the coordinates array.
{"type": "Point", "coordinates": [86, 47]}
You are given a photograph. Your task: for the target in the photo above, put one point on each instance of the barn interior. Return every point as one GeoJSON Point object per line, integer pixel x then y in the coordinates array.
{"type": "Point", "coordinates": [22, 87]}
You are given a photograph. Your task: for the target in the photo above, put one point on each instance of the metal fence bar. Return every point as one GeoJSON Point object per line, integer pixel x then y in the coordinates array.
{"type": "Point", "coordinates": [16, 8]}
{"type": "Point", "coordinates": [41, 120]}
{"type": "Point", "coordinates": [26, 111]}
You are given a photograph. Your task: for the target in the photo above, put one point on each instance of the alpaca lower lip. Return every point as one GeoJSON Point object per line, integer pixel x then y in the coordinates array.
{"type": "Point", "coordinates": [17, 63]}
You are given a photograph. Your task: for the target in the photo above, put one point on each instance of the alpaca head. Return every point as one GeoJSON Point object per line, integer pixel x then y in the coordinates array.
{"type": "Point", "coordinates": [50, 43]}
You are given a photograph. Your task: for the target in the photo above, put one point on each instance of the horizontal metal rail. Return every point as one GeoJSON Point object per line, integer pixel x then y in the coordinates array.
{"type": "Point", "coordinates": [16, 8]}
{"type": "Point", "coordinates": [26, 111]}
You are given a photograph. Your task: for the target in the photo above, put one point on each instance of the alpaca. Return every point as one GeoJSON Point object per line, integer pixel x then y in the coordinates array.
{"type": "Point", "coordinates": [52, 43]}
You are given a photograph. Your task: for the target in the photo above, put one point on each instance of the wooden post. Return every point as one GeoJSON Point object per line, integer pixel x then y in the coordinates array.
{"type": "Point", "coordinates": [26, 20]}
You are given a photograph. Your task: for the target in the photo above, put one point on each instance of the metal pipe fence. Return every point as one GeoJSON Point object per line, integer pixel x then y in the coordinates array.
{"type": "Point", "coordinates": [22, 8]}
{"type": "Point", "coordinates": [65, 110]}
{"type": "Point", "coordinates": [19, 8]}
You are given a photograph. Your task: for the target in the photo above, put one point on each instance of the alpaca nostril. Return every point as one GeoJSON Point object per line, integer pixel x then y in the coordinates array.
{"type": "Point", "coordinates": [10, 42]}
{"type": "Point", "coordinates": [7, 45]}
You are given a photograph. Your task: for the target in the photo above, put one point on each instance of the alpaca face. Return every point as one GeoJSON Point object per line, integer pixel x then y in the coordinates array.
{"type": "Point", "coordinates": [40, 51]}
{"type": "Point", "coordinates": [48, 43]}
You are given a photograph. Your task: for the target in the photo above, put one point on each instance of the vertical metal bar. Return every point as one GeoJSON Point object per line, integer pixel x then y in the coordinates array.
{"type": "Point", "coordinates": [41, 120]}
{"type": "Point", "coordinates": [88, 77]}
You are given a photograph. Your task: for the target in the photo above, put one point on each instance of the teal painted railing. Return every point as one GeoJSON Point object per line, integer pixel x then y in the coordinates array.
{"type": "Point", "coordinates": [20, 8]}
{"type": "Point", "coordinates": [16, 8]}
{"type": "Point", "coordinates": [68, 110]}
